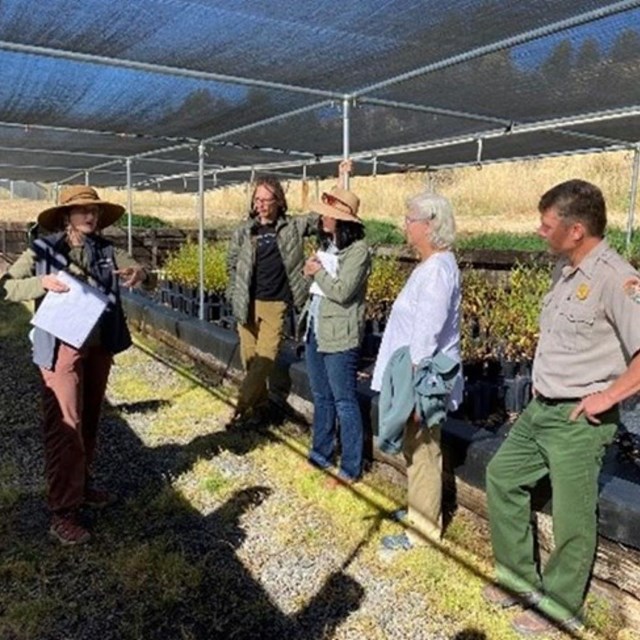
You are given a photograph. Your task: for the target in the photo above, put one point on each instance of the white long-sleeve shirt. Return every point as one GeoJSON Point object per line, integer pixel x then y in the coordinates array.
{"type": "Point", "coordinates": [425, 316]}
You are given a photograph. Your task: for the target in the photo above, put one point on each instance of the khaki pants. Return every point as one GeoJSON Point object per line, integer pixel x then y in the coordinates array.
{"type": "Point", "coordinates": [260, 340]}
{"type": "Point", "coordinates": [421, 448]}
{"type": "Point", "coordinates": [72, 398]}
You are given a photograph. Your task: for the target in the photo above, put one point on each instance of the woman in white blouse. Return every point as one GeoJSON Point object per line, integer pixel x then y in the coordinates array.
{"type": "Point", "coordinates": [426, 318]}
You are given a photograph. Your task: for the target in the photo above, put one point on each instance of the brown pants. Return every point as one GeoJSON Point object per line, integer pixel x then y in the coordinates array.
{"type": "Point", "coordinates": [260, 340]}
{"type": "Point", "coordinates": [72, 398]}
{"type": "Point", "coordinates": [422, 451]}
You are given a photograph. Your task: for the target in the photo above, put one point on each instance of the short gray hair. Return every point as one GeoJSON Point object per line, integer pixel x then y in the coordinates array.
{"type": "Point", "coordinates": [438, 210]}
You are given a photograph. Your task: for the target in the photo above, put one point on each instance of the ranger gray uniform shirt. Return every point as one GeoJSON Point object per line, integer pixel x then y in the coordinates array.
{"type": "Point", "coordinates": [589, 325]}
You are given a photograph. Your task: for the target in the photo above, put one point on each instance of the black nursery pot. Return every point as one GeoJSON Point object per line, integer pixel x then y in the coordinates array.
{"type": "Point", "coordinates": [478, 400]}
{"type": "Point", "coordinates": [213, 306]}
{"type": "Point", "coordinates": [509, 368]}
{"type": "Point", "coordinates": [472, 371]}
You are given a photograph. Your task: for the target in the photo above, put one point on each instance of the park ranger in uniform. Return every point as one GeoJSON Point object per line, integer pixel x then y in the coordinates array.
{"type": "Point", "coordinates": [586, 363]}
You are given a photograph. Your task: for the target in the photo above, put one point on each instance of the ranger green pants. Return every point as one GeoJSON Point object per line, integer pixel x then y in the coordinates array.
{"type": "Point", "coordinates": [543, 441]}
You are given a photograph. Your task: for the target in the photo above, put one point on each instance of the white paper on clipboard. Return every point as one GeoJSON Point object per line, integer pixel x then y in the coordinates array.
{"type": "Point", "coordinates": [329, 261]}
{"type": "Point", "coordinates": [72, 315]}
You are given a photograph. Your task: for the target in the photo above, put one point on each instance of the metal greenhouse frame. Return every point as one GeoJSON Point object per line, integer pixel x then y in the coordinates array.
{"type": "Point", "coordinates": [181, 94]}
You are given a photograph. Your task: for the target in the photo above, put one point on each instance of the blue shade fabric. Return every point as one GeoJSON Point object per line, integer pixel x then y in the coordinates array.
{"type": "Point", "coordinates": [85, 84]}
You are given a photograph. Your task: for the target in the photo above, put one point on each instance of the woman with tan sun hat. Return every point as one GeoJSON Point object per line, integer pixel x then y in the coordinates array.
{"type": "Point", "coordinates": [74, 379]}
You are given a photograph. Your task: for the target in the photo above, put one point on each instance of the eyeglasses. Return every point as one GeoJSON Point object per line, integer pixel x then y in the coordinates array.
{"type": "Point", "coordinates": [263, 200]}
{"type": "Point", "coordinates": [409, 219]}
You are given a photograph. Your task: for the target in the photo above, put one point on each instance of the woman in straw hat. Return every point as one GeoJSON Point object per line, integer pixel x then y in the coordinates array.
{"type": "Point", "coordinates": [74, 379]}
{"type": "Point", "coordinates": [334, 319]}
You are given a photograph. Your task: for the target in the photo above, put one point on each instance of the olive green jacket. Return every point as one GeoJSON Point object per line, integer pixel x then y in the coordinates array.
{"type": "Point", "coordinates": [341, 312]}
{"type": "Point", "coordinates": [290, 234]}
{"type": "Point", "coordinates": [21, 284]}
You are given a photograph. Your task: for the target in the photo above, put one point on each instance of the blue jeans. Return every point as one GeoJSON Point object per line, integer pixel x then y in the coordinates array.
{"type": "Point", "coordinates": [333, 379]}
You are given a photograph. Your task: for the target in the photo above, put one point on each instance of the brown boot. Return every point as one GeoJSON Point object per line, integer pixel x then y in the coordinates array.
{"type": "Point", "coordinates": [500, 597]}
{"type": "Point", "coordinates": [533, 623]}
{"type": "Point", "coordinates": [67, 530]}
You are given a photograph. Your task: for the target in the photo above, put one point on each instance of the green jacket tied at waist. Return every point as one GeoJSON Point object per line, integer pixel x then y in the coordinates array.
{"type": "Point", "coordinates": [424, 389]}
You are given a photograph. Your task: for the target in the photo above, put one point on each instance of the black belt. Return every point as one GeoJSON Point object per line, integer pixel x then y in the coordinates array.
{"type": "Point", "coordinates": [552, 402]}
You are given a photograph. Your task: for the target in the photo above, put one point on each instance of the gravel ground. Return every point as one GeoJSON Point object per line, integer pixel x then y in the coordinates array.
{"type": "Point", "coordinates": [206, 541]}
{"type": "Point", "coordinates": [303, 590]}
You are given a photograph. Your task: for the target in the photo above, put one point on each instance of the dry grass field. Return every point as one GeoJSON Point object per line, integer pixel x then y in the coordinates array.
{"type": "Point", "coordinates": [498, 197]}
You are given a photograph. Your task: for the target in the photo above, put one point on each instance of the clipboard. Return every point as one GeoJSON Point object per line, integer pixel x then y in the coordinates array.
{"type": "Point", "coordinates": [72, 315]}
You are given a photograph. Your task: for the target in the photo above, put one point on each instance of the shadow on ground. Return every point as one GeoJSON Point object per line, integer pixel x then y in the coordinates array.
{"type": "Point", "coordinates": [157, 567]}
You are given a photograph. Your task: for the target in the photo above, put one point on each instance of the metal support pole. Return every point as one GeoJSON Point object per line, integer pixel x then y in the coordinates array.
{"type": "Point", "coordinates": [479, 154]}
{"type": "Point", "coordinates": [56, 193]}
{"type": "Point", "coordinates": [346, 112]}
{"type": "Point", "coordinates": [86, 178]}
{"type": "Point", "coordinates": [251, 188]}
{"type": "Point", "coordinates": [633, 195]}
{"type": "Point", "coordinates": [11, 189]}
{"type": "Point", "coordinates": [201, 228]}
{"type": "Point", "coordinates": [129, 210]}
{"type": "Point", "coordinates": [431, 181]}
{"type": "Point", "coordinates": [304, 189]}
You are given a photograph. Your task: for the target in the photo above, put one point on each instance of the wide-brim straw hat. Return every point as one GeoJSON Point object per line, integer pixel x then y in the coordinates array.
{"type": "Point", "coordinates": [340, 204]}
{"type": "Point", "coordinates": [52, 219]}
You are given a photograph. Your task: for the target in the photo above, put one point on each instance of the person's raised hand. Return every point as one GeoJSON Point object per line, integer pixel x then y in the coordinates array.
{"type": "Point", "coordinates": [344, 170]}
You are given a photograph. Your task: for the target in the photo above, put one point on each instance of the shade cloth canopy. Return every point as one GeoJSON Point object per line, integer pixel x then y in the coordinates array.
{"type": "Point", "coordinates": [86, 85]}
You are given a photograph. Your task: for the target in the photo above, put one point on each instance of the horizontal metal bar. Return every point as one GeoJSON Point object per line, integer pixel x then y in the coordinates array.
{"type": "Point", "coordinates": [477, 117]}
{"type": "Point", "coordinates": [437, 111]}
{"type": "Point", "coordinates": [94, 132]}
{"type": "Point", "coordinates": [57, 152]}
{"type": "Point", "coordinates": [78, 172]}
{"type": "Point", "coordinates": [506, 43]}
{"type": "Point", "coordinates": [524, 158]}
{"type": "Point", "coordinates": [242, 129]}
{"type": "Point", "coordinates": [122, 63]}
{"type": "Point", "coordinates": [270, 120]}
{"type": "Point", "coordinates": [78, 154]}
{"type": "Point", "coordinates": [93, 169]}
{"type": "Point", "coordinates": [276, 167]}
{"type": "Point", "coordinates": [546, 125]}
{"type": "Point", "coordinates": [455, 165]}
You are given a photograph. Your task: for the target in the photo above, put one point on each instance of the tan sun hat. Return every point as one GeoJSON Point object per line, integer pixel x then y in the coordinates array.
{"type": "Point", "coordinates": [52, 219]}
{"type": "Point", "coordinates": [340, 204]}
